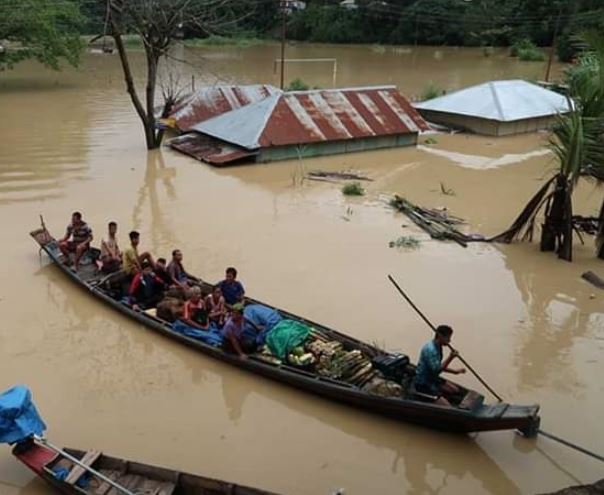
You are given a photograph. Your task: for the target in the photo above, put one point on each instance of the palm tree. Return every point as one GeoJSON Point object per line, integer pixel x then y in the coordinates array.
{"type": "Point", "coordinates": [578, 144]}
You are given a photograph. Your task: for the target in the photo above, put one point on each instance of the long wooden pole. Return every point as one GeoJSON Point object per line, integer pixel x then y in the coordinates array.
{"type": "Point", "coordinates": [554, 40]}
{"type": "Point", "coordinates": [429, 323]}
{"type": "Point", "coordinates": [283, 28]}
{"type": "Point", "coordinates": [114, 484]}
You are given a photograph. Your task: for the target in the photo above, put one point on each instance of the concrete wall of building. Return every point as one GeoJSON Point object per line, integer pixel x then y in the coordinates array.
{"type": "Point", "coordinates": [489, 127]}
{"type": "Point", "coordinates": [277, 153]}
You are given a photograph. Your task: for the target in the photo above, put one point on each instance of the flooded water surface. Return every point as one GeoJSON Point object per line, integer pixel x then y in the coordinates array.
{"type": "Point", "coordinates": [535, 330]}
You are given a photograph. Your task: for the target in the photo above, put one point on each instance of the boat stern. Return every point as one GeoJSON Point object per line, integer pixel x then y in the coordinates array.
{"type": "Point", "coordinates": [34, 456]}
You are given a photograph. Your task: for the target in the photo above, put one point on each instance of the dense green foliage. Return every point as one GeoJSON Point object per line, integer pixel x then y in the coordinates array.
{"type": "Point", "coordinates": [45, 30]}
{"type": "Point", "coordinates": [447, 22]}
{"type": "Point", "coordinates": [409, 22]}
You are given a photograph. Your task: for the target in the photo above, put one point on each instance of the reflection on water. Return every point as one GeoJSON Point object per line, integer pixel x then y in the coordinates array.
{"type": "Point", "coordinates": [524, 319]}
{"type": "Point", "coordinates": [156, 173]}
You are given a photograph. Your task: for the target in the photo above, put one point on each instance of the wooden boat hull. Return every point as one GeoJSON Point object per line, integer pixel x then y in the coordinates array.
{"type": "Point", "coordinates": [40, 460]}
{"type": "Point", "coordinates": [499, 416]}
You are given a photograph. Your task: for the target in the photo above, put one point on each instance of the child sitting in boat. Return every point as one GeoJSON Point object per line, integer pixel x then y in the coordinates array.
{"type": "Point", "coordinates": [216, 306]}
{"type": "Point", "coordinates": [195, 314]}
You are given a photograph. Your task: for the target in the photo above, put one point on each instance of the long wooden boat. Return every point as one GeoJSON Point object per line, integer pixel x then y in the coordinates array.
{"type": "Point", "coordinates": [470, 413]}
{"type": "Point", "coordinates": [137, 478]}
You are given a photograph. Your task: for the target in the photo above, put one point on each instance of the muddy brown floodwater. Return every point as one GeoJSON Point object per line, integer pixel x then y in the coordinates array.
{"type": "Point", "coordinates": [526, 320]}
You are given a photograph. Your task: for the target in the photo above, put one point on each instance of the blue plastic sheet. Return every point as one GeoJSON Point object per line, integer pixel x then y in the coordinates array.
{"type": "Point", "coordinates": [259, 316]}
{"type": "Point", "coordinates": [19, 418]}
{"type": "Point", "coordinates": [212, 336]}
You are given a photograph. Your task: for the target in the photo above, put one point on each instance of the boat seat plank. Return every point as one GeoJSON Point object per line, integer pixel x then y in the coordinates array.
{"type": "Point", "coordinates": [77, 471]}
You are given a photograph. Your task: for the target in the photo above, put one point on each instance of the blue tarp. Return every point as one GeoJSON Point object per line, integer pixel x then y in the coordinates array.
{"type": "Point", "coordinates": [259, 316]}
{"type": "Point", "coordinates": [19, 418]}
{"type": "Point", "coordinates": [213, 336]}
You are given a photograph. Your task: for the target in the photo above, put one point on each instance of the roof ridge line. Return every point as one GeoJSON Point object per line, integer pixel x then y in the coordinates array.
{"type": "Point", "coordinates": [496, 100]}
{"type": "Point", "coordinates": [330, 90]}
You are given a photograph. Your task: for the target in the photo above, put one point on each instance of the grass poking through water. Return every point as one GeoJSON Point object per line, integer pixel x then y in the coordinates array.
{"type": "Point", "coordinates": [353, 189]}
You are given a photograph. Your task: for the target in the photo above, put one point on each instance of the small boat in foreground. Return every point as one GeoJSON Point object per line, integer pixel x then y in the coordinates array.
{"type": "Point", "coordinates": [395, 396]}
{"type": "Point", "coordinates": [75, 472]}
{"type": "Point", "coordinates": [70, 478]}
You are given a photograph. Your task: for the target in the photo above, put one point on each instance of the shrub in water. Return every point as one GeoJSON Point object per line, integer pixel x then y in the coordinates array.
{"type": "Point", "coordinates": [432, 91]}
{"type": "Point", "coordinates": [353, 189]}
{"type": "Point", "coordinates": [297, 85]}
{"type": "Point", "coordinates": [526, 50]}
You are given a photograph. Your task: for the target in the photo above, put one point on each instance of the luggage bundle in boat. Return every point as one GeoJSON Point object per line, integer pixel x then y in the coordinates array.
{"type": "Point", "coordinates": [351, 366]}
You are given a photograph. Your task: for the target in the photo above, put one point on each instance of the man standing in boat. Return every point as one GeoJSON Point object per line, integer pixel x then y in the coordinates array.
{"type": "Point", "coordinates": [430, 365]}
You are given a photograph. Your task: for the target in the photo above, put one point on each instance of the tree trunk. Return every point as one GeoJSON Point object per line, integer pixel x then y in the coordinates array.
{"type": "Point", "coordinates": [146, 119]}
{"type": "Point", "coordinates": [552, 229]}
{"type": "Point", "coordinates": [565, 249]}
{"type": "Point", "coordinates": [150, 130]}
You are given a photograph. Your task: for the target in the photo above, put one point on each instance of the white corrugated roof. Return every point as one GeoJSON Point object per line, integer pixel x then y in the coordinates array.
{"type": "Point", "coordinates": [504, 101]}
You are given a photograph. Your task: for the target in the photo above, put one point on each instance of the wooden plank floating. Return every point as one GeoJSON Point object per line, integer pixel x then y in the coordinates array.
{"type": "Point", "coordinates": [438, 224]}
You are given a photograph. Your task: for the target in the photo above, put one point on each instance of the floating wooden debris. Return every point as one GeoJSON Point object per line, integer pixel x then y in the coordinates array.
{"type": "Point", "coordinates": [593, 279]}
{"type": "Point", "coordinates": [439, 224]}
{"type": "Point", "coordinates": [336, 176]}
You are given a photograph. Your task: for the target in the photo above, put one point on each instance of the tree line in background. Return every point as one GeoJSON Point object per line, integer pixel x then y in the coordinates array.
{"type": "Point", "coordinates": [49, 29]}
{"type": "Point", "coordinates": [449, 22]}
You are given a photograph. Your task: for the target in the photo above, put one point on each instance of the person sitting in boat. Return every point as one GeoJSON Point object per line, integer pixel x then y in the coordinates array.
{"type": "Point", "coordinates": [216, 306]}
{"type": "Point", "coordinates": [430, 365]}
{"type": "Point", "coordinates": [195, 313]}
{"type": "Point", "coordinates": [231, 288]}
{"type": "Point", "coordinates": [132, 259]}
{"type": "Point", "coordinates": [111, 256]}
{"type": "Point", "coordinates": [146, 289]}
{"type": "Point", "coordinates": [77, 239]}
{"type": "Point", "coordinates": [162, 272]}
{"type": "Point", "coordinates": [232, 332]}
{"type": "Point", "coordinates": [177, 271]}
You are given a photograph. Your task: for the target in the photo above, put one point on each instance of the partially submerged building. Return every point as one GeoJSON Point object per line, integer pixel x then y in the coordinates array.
{"type": "Point", "coordinates": [497, 108]}
{"type": "Point", "coordinates": [303, 124]}
{"type": "Point", "coordinates": [211, 101]}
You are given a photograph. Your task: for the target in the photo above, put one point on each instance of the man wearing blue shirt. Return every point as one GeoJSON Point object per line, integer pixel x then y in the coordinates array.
{"type": "Point", "coordinates": [430, 365]}
{"type": "Point", "coordinates": [232, 290]}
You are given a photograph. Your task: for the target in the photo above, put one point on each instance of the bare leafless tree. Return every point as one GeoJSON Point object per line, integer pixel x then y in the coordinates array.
{"type": "Point", "coordinates": [159, 23]}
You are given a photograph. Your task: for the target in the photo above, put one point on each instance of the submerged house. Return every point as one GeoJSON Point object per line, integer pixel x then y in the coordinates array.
{"type": "Point", "coordinates": [211, 101]}
{"type": "Point", "coordinates": [303, 124]}
{"type": "Point", "coordinates": [497, 108]}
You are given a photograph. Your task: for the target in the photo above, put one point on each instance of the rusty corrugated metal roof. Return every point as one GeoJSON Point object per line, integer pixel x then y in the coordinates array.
{"type": "Point", "coordinates": [212, 101]}
{"type": "Point", "coordinates": [207, 149]}
{"type": "Point", "coordinates": [301, 117]}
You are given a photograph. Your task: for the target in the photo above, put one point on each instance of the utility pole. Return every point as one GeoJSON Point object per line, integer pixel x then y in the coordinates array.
{"type": "Point", "coordinates": [283, 28]}
{"type": "Point", "coordinates": [554, 40]}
